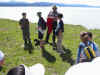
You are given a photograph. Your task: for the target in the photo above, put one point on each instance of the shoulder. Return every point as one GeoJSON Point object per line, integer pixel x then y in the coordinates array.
{"type": "Point", "coordinates": [61, 21]}
{"type": "Point", "coordinates": [27, 19]}
{"type": "Point", "coordinates": [20, 19]}
{"type": "Point", "coordinates": [81, 44]}
{"type": "Point", "coordinates": [92, 43]}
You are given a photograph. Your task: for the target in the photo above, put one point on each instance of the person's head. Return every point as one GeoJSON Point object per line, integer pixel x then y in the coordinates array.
{"type": "Point", "coordinates": [54, 8]}
{"type": "Point", "coordinates": [24, 15]}
{"type": "Point", "coordinates": [60, 16]}
{"type": "Point", "coordinates": [84, 36]}
{"type": "Point", "coordinates": [20, 70]}
{"type": "Point", "coordinates": [90, 36]}
{"type": "Point", "coordinates": [39, 14]}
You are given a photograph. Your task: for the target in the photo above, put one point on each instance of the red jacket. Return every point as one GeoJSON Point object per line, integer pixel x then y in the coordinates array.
{"type": "Point", "coordinates": [50, 24]}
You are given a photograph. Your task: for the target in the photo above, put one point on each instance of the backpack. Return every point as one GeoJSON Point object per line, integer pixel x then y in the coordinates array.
{"type": "Point", "coordinates": [89, 52]}
{"type": "Point", "coordinates": [44, 24]}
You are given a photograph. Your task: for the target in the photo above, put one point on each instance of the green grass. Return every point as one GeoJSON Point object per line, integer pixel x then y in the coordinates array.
{"type": "Point", "coordinates": [11, 43]}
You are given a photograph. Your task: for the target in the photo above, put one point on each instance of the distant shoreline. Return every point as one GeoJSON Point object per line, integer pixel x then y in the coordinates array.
{"type": "Point", "coordinates": [43, 4]}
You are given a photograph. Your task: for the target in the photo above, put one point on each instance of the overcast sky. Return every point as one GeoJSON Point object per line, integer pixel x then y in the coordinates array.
{"type": "Point", "coordinates": [90, 2]}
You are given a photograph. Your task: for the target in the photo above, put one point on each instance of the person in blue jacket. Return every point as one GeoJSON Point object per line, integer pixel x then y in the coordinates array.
{"type": "Point", "coordinates": [86, 41]}
{"type": "Point", "coordinates": [59, 32]}
{"type": "Point", "coordinates": [93, 44]}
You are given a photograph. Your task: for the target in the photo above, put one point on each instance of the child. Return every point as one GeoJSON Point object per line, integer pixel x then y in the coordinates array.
{"type": "Point", "coordinates": [93, 44]}
{"type": "Point", "coordinates": [59, 31]}
{"type": "Point", "coordinates": [86, 51]}
{"type": "Point", "coordinates": [80, 56]}
{"type": "Point", "coordinates": [24, 24]}
{"type": "Point", "coordinates": [1, 59]}
{"type": "Point", "coordinates": [41, 28]}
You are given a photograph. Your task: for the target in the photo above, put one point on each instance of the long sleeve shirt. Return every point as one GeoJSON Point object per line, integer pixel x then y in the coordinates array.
{"type": "Point", "coordinates": [24, 23]}
{"type": "Point", "coordinates": [60, 26]}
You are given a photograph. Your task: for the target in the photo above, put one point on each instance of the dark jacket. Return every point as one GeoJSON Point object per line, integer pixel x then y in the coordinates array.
{"type": "Point", "coordinates": [42, 23]}
{"type": "Point", "coordinates": [24, 23]}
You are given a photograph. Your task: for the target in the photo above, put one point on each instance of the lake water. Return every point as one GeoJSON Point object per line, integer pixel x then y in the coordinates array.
{"type": "Point", "coordinates": [88, 17]}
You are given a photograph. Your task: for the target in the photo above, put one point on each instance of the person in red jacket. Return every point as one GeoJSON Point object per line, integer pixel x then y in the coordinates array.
{"type": "Point", "coordinates": [52, 23]}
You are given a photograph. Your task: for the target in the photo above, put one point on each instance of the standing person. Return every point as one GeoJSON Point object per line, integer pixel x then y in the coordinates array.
{"type": "Point", "coordinates": [41, 28]}
{"type": "Point", "coordinates": [52, 23]}
{"type": "Point", "coordinates": [24, 24]}
{"type": "Point", "coordinates": [59, 32]}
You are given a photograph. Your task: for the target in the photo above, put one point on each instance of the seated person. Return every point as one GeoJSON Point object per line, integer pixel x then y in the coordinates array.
{"type": "Point", "coordinates": [87, 49]}
{"type": "Point", "coordinates": [93, 44]}
{"type": "Point", "coordinates": [37, 69]}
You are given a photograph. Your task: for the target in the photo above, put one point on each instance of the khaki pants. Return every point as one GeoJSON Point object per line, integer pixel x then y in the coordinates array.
{"type": "Point", "coordinates": [59, 42]}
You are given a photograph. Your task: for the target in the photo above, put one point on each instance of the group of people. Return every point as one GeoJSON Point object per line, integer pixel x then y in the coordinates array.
{"type": "Point", "coordinates": [87, 51]}
{"type": "Point", "coordinates": [54, 23]}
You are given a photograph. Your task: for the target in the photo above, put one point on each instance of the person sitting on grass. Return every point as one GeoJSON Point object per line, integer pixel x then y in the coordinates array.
{"type": "Point", "coordinates": [41, 28]}
{"type": "Point", "coordinates": [86, 50]}
{"type": "Point", "coordinates": [24, 24]}
{"type": "Point", "coordinates": [37, 69]}
{"type": "Point", "coordinates": [59, 32]}
{"type": "Point", "coordinates": [1, 59]}
{"type": "Point", "coordinates": [93, 44]}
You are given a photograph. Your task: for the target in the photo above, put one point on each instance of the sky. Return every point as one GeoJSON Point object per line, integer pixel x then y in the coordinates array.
{"type": "Point", "coordinates": [90, 2]}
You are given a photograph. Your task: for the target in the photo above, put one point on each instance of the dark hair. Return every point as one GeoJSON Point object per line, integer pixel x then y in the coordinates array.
{"type": "Point", "coordinates": [39, 13]}
{"type": "Point", "coordinates": [83, 34]}
{"type": "Point", "coordinates": [20, 70]}
{"type": "Point", "coordinates": [23, 14]}
{"type": "Point", "coordinates": [90, 34]}
{"type": "Point", "coordinates": [60, 15]}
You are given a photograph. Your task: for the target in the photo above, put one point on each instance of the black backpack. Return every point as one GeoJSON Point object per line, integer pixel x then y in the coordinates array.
{"type": "Point", "coordinates": [44, 24]}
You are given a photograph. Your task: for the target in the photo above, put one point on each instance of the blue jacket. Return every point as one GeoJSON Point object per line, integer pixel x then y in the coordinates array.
{"type": "Point", "coordinates": [81, 50]}
{"type": "Point", "coordinates": [60, 26]}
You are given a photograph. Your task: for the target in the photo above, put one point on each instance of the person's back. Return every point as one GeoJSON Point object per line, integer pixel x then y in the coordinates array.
{"type": "Point", "coordinates": [60, 25]}
{"type": "Point", "coordinates": [93, 44]}
{"type": "Point", "coordinates": [42, 23]}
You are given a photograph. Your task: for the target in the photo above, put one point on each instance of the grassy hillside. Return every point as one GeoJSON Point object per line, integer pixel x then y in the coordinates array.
{"type": "Point", "coordinates": [12, 45]}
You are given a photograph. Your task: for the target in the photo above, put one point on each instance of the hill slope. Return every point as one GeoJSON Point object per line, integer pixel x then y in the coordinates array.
{"type": "Point", "coordinates": [12, 45]}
